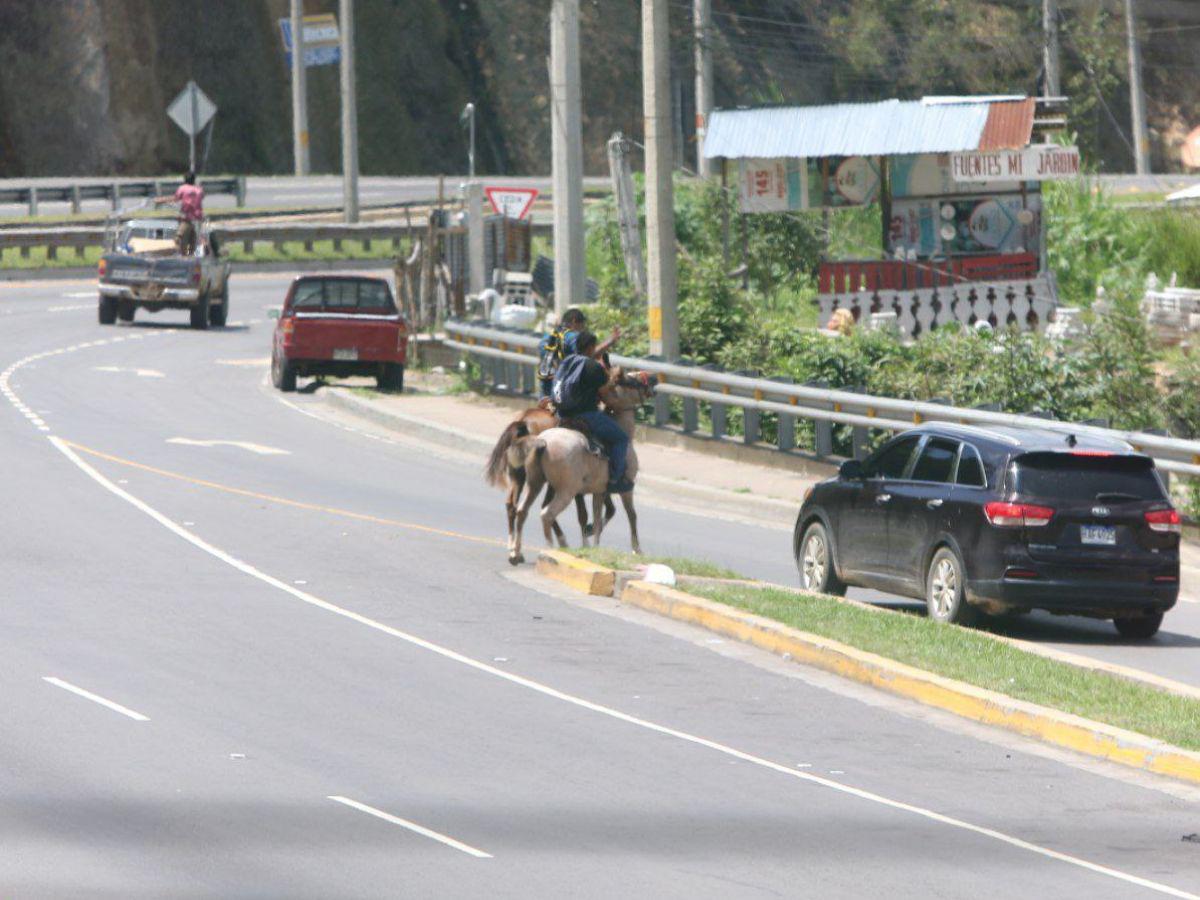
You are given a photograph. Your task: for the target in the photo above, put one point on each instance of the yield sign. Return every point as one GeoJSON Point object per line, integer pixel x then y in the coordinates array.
{"type": "Point", "coordinates": [510, 202]}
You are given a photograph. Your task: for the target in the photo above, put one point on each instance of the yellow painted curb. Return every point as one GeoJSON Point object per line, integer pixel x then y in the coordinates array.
{"type": "Point", "coordinates": [577, 573]}
{"type": "Point", "coordinates": [1062, 729]}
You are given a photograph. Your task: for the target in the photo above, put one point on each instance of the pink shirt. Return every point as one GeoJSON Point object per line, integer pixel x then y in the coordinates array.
{"type": "Point", "coordinates": [190, 198]}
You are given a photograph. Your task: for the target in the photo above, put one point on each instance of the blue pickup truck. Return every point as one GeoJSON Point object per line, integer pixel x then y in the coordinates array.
{"type": "Point", "coordinates": [143, 269]}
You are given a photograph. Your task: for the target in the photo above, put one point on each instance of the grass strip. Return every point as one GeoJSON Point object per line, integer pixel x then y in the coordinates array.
{"type": "Point", "coordinates": [974, 658]}
{"type": "Point", "coordinates": [612, 558]}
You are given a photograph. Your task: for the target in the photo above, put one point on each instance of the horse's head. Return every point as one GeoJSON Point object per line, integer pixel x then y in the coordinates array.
{"type": "Point", "coordinates": [627, 390]}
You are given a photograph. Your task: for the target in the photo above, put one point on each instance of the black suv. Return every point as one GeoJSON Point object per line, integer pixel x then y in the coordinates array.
{"type": "Point", "coordinates": [998, 520]}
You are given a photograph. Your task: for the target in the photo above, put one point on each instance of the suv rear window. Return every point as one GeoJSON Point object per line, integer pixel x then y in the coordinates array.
{"type": "Point", "coordinates": [936, 461]}
{"type": "Point", "coordinates": [343, 294]}
{"type": "Point", "coordinates": [1067, 476]}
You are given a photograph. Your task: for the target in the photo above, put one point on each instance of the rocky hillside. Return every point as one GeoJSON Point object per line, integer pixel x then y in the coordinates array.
{"type": "Point", "coordinates": [84, 83]}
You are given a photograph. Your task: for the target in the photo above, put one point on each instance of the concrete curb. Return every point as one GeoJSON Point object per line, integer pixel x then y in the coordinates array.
{"type": "Point", "coordinates": [1051, 726]}
{"type": "Point", "coordinates": [576, 573]}
{"type": "Point", "coordinates": [977, 704]}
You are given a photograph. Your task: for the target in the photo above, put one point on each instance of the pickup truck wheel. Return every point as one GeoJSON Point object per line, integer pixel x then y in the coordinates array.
{"type": "Point", "coordinates": [391, 378]}
{"type": "Point", "coordinates": [125, 311]}
{"type": "Point", "coordinates": [283, 374]}
{"type": "Point", "coordinates": [217, 315]}
{"type": "Point", "coordinates": [107, 310]}
{"type": "Point", "coordinates": [200, 312]}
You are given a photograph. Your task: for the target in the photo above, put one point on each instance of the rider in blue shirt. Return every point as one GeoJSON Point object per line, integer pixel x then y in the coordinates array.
{"type": "Point", "coordinates": [586, 406]}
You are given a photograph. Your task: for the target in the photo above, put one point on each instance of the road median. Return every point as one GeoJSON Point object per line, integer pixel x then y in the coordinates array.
{"type": "Point", "coordinates": [965, 672]}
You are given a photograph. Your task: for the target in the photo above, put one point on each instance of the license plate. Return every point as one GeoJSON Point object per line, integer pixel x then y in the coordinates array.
{"type": "Point", "coordinates": [1105, 535]}
{"type": "Point", "coordinates": [349, 354]}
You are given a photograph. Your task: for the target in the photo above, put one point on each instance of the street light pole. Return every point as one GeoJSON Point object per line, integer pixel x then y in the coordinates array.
{"type": "Point", "coordinates": [299, 92]}
{"type": "Point", "coordinates": [1137, 98]}
{"type": "Point", "coordinates": [349, 116]}
{"type": "Point", "coordinates": [468, 113]}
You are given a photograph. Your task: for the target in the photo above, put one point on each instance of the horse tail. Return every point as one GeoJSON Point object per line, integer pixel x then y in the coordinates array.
{"type": "Point", "coordinates": [498, 464]}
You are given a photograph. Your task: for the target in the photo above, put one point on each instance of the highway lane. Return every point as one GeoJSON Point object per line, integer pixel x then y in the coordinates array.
{"type": "Point", "coordinates": [288, 191]}
{"type": "Point", "coordinates": [404, 669]}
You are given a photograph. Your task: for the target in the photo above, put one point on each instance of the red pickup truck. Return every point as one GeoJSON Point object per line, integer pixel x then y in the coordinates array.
{"type": "Point", "coordinates": [339, 325]}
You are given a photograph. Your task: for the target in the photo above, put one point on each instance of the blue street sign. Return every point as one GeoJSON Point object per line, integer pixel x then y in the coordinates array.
{"type": "Point", "coordinates": [321, 44]}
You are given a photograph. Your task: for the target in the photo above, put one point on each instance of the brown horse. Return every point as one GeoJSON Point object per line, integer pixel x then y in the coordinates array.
{"type": "Point", "coordinates": [500, 473]}
{"type": "Point", "coordinates": [560, 458]}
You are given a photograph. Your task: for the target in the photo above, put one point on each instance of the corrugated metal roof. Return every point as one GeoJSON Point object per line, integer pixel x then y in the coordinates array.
{"type": "Point", "coordinates": [1009, 126]}
{"type": "Point", "coordinates": [888, 128]}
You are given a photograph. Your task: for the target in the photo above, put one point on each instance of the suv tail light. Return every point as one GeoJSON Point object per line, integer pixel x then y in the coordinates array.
{"type": "Point", "coordinates": [1166, 521]}
{"type": "Point", "coordinates": [102, 268]}
{"type": "Point", "coordinates": [1017, 515]}
{"type": "Point", "coordinates": [286, 326]}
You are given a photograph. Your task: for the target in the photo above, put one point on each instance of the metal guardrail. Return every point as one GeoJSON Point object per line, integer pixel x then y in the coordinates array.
{"type": "Point", "coordinates": [80, 238]}
{"type": "Point", "coordinates": [515, 359]}
{"type": "Point", "coordinates": [114, 191]}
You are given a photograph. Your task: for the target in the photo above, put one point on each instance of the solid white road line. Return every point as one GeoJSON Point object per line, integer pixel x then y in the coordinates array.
{"type": "Point", "coordinates": [96, 698]}
{"type": "Point", "coordinates": [411, 826]}
{"type": "Point", "coordinates": [546, 690]}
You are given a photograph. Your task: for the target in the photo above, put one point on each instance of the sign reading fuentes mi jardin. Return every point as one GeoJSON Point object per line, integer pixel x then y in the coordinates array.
{"type": "Point", "coordinates": [1044, 162]}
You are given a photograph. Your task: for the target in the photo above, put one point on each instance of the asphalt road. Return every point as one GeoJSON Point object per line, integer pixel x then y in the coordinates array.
{"type": "Point", "coordinates": [297, 665]}
{"type": "Point", "coordinates": [312, 192]}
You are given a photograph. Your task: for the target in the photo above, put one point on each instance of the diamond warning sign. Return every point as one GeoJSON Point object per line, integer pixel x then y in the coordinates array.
{"type": "Point", "coordinates": [511, 202]}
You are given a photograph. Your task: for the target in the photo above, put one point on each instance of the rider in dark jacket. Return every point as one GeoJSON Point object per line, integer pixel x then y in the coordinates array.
{"type": "Point", "coordinates": [585, 405]}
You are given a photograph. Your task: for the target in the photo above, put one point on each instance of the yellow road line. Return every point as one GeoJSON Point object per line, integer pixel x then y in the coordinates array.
{"type": "Point", "coordinates": [282, 501]}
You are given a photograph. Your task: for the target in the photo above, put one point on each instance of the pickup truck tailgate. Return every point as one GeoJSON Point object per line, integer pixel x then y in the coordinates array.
{"type": "Point", "coordinates": [348, 336]}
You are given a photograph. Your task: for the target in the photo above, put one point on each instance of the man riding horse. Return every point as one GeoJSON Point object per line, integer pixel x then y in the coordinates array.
{"type": "Point", "coordinates": [576, 395]}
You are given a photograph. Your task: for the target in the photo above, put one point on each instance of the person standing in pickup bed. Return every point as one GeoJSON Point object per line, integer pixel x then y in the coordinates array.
{"type": "Point", "coordinates": [190, 197]}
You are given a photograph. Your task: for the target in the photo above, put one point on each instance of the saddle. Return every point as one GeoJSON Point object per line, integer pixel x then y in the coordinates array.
{"type": "Point", "coordinates": [594, 447]}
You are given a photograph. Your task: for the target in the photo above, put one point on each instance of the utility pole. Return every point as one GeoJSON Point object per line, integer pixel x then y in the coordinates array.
{"type": "Point", "coordinates": [1051, 86]}
{"type": "Point", "coordinates": [627, 212]}
{"type": "Point", "coordinates": [702, 24]}
{"type": "Point", "coordinates": [349, 116]}
{"type": "Point", "coordinates": [663, 314]}
{"type": "Point", "coordinates": [1137, 99]}
{"type": "Point", "coordinates": [468, 114]}
{"type": "Point", "coordinates": [566, 133]}
{"type": "Point", "coordinates": [299, 92]}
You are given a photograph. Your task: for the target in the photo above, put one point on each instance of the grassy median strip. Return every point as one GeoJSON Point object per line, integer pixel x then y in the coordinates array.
{"type": "Point", "coordinates": [976, 659]}
{"type": "Point", "coordinates": [611, 558]}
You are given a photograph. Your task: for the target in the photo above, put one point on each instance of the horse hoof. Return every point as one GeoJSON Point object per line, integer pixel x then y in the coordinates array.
{"type": "Point", "coordinates": [515, 559]}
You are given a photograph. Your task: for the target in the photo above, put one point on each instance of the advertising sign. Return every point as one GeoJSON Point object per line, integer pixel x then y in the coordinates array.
{"type": "Point", "coordinates": [772, 185]}
{"type": "Point", "coordinates": [1045, 162]}
{"type": "Point", "coordinates": [933, 227]}
{"type": "Point", "coordinates": [322, 44]}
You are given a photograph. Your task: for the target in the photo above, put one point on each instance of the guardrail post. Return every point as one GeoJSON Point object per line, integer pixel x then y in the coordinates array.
{"type": "Point", "coordinates": [822, 428]}
{"type": "Point", "coordinates": [1162, 473]}
{"type": "Point", "coordinates": [860, 435]}
{"type": "Point", "coordinates": [751, 418]}
{"type": "Point", "coordinates": [33, 202]}
{"type": "Point", "coordinates": [786, 438]}
{"type": "Point", "coordinates": [115, 196]}
{"type": "Point", "coordinates": [337, 245]}
{"type": "Point", "coordinates": [240, 190]}
{"type": "Point", "coordinates": [691, 408]}
{"type": "Point", "coordinates": [76, 200]}
{"type": "Point", "coordinates": [528, 381]}
{"type": "Point", "coordinates": [662, 403]}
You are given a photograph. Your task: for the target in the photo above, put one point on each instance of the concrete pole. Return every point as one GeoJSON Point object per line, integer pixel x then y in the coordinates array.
{"type": "Point", "coordinates": [349, 116]}
{"type": "Point", "coordinates": [475, 253]}
{"type": "Point", "coordinates": [1051, 86]}
{"type": "Point", "coordinates": [299, 92]}
{"type": "Point", "coordinates": [660, 196]}
{"type": "Point", "coordinates": [702, 23]}
{"type": "Point", "coordinates": [1137, 99]}
{"type": "Point", "coordinates": [566, 132]}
